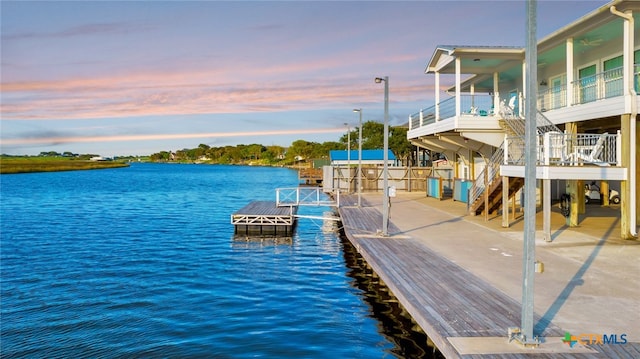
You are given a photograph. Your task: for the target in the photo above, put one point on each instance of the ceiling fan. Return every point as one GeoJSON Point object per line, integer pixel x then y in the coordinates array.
{"type": "Point", "coordinates": [591, 42]}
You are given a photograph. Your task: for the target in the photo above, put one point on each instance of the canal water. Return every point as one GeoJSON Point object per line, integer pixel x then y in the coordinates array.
{"type": "Point", "coordinates": [143, 262]}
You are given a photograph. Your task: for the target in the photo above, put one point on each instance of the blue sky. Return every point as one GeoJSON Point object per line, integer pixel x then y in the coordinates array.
{"type": "Point", "coordinates": [138, 77]}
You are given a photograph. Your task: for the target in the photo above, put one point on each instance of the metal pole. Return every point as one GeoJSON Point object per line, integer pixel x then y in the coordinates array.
{"type": "Point", "coordinates": [359, 158]}
{"type": "Point", "coordinates": [348, 159]}
{"type": "Point", "coordinates": [385, 213]}
{"type": "Point", "coordinates": [385, 168]}
{"type": "Point", "coordinates": [529, 246]}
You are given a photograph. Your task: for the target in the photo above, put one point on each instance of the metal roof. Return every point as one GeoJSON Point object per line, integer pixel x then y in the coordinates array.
{"type": "Point", "coordinates": [367, 155]}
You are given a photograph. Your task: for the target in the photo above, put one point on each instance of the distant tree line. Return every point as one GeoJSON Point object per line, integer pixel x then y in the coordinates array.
{"type": "Point", "coordinates": [300, 150]}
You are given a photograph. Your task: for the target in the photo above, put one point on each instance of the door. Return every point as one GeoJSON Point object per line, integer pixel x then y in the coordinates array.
{"type": "Point", "coordinates": [588, 85]}
{"type": "Point", "coordinates": [558, 92]}
{"type": "Point", "coordinates": [613, 77]}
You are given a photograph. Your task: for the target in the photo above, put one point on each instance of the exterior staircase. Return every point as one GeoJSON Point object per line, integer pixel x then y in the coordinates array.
{"type": "Point", "coordinates": [489, 179]}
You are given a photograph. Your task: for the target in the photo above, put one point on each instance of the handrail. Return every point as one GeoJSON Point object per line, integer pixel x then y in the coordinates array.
{"type": "Point", "coordinates": [302, 196]}
{"type": "Point", "coordinates": [602, 85]}
{"type": "Point", "coordinates": [515, 147]}
{"type": "Point", "coordinates": [476, 105]}
{"type": "Point", "coordinates": [518, 126]}
{"type": "Point", "coordinates": [492, 169]}
{"type": "Point", "coordinates": [557, 148]}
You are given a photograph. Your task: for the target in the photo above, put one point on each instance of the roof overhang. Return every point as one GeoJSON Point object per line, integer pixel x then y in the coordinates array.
{"type": "Point", "coordinates": [474, 59]}
{"type": "Point", "coordinates": [579, 29]}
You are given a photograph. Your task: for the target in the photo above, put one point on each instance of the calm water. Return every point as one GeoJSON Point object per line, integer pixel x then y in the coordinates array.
{"type": "Point", "coordinates": [142, 262]}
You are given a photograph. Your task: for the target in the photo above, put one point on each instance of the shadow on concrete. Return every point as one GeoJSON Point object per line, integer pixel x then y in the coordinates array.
{"type": "Point", "coordinates": [576, 280]}
{"type": "Point", "coordinates": [557, 233]}
{"type": "Point", "coordinates": [452, 220]}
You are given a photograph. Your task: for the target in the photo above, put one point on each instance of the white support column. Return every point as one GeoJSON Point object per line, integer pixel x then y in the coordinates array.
{"type": "Point", "coordinates": [569, 70]}
{"type": "Point", "coordinates": [506, 150]}
{"type": "Point", "coordinates": [458, 70]}
{"type": "Point", "coordinates": [473, 100]}
{"type": "Point", "coordinates": [437, 97]}
{"type": "Point", "coordinates": [496, 93]}
{"type": "Point", "coordinates": [546, 144]}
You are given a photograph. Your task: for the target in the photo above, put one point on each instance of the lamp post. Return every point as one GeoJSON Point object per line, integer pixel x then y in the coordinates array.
{"type": "Point", "coordinates": [385, 190]}
{"type": "Point", "coordinates": [359, 110]}
{"type": "Point", "coordinates": [348, 157]}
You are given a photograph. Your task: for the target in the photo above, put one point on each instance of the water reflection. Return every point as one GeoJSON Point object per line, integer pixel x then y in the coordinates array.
{"type": "Point", "coordinates": [249, 241]}
{"type": "Point", "coordinates": [395, 323]}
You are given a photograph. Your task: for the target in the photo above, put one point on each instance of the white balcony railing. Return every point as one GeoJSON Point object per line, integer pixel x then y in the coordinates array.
{"type": "Point", "coordinates": [600, 86]}
{"type": "Point", "coordinates": [557, 148]}
{"type": "Point", "coordinates": [480, 104]}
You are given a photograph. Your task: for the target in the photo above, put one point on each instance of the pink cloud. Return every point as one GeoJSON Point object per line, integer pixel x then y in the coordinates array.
{"type": "Point", "coordinates": [144, 94]}
{"type": "Point", "coordinates": [154, 137]}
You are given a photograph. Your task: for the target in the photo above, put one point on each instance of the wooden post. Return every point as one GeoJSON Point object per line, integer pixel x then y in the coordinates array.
{"type": "Point", "coordinates": [581, 203]}
{"type": "Point", "coordinates": [486, 193]}
{"type": "Point", "coordinates": [576, 195]}
{"type": "Point", "coordinates": [546, 209]}
{"type": "Point", "coordinates": [505, 202]}
{"type": "Point", "coordinates": [625, 186]}
{"type": "Point", "coordinates": [604, 192]}
{"type": "Point", "coordinates": [573, 189]}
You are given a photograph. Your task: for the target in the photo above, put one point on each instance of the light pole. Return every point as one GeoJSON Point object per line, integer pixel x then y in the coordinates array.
{"type": "Point", "coordinates": [359, 110]}
{"type": "Point", "coordinates": [348, 157]}
{"type": "Point", "coordinates": [385, 190]}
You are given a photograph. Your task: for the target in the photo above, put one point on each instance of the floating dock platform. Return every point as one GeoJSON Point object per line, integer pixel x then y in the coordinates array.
{"type": "Point", "coordinates": [264, 218]}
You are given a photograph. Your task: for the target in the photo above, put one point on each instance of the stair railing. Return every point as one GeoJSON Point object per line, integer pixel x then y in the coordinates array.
{"type": "Point", "coordinates": [492, 170]}
{"type": "Point", "coordinates": [516, 147]}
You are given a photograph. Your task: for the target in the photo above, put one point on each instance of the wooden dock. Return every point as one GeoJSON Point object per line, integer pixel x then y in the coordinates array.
{"type": "Point", "coordinates": [310, 176]}
{"type": "Point", "coordinates": [463, 315]}
{"type": "Point", "coordinates": [264, 218]}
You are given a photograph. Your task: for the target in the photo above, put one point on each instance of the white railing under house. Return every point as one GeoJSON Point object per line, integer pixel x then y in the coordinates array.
{"type": "Point", "coordinates": [566, 149]}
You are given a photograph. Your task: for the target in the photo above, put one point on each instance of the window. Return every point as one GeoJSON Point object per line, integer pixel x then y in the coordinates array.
{"type": "Point", "coordinates": [636, 69]}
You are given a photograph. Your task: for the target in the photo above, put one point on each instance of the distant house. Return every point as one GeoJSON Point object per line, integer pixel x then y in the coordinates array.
{"type": "Point", "coordinates": [369, 157]}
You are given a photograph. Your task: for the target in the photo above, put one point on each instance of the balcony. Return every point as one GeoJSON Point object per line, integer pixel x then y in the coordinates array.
{"type": "Point", "coordinates": [566, 149]}
{"type": "Point", "coordinates": [588, 89]}
{"type": "Point", "coordinates": [604, 85]}
{"type": "Point", "coordinates": [471, 105]}
{"type": "Point", "coordinates": [567, 156]}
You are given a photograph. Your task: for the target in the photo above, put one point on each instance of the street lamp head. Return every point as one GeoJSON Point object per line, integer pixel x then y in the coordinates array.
{"type": "Point", "coordinates": [357, 109]}
{"type": "Point", "coordinates": [379, 80]}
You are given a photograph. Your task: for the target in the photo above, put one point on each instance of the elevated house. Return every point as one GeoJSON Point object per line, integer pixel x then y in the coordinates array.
{"type": "Point", "coordinates": [587, 121]}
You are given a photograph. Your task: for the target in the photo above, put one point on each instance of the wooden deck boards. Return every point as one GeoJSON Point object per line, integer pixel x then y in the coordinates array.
{"type": "Point", "coordinates": [442, 297]}
{"type": "Point", "coordinates": [264, 217]}
{"type": "Point", "coordinates": [267, 208]}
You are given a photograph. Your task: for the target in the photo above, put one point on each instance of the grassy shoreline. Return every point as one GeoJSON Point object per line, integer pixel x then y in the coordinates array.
{"type": "Point", "coordinates": [14, 165]}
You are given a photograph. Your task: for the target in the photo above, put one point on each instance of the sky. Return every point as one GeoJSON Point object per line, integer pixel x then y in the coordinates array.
{"type": "Point", "coordinates": [118, 78]}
